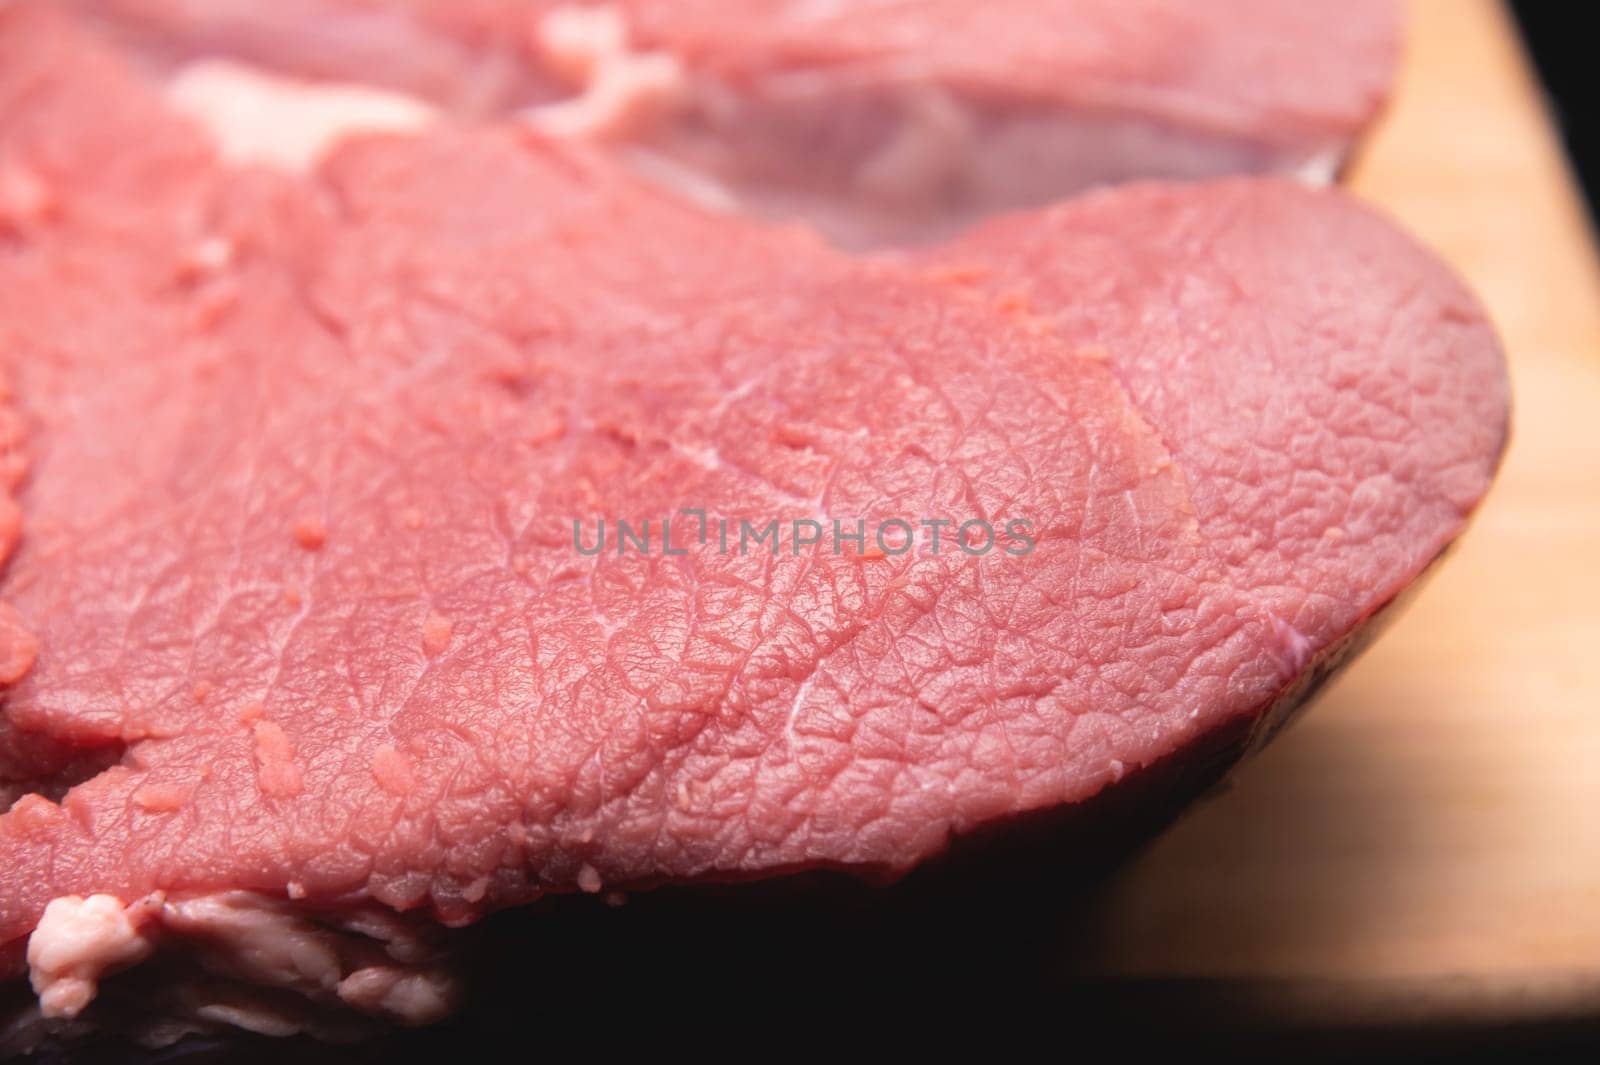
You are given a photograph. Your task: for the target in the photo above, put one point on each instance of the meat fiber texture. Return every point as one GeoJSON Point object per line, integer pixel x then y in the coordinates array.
{"type": "Point", "coordinates": [295, 612]}
{"type": "Point", "coordinates": [879, 122]}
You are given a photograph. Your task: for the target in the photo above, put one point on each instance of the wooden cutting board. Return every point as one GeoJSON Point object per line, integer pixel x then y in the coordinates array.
{"type": "Point", "coordinates": [1426, 841]}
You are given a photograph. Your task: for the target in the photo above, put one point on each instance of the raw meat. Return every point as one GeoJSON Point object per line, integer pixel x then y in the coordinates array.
{"type": "Point", "coordinates": [879, 121]}
{"type": "Point", "coordinates": [307, 455]}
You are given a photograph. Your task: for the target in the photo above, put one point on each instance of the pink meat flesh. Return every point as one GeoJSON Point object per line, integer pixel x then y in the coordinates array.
{"type": "Point", "coordinates": [304, 456]}
{"type": "Point", "coordinates": [882, 122]}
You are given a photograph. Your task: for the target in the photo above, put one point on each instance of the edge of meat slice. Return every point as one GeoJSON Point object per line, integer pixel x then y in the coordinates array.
{"type": "Point", "coordinates": [307, 454]}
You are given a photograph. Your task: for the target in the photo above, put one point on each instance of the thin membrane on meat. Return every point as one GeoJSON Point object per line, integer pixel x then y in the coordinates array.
{"type": "Point", "coordinates": [880, 123]}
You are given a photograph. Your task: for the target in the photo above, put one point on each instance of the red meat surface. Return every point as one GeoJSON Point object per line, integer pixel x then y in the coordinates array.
{"type": "Point", "coordinates": [299, 461]}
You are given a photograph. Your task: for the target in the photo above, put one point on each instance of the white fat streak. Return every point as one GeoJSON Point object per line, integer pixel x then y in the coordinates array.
{"type": "Point", "coordinates": [696, 186]}
{"type": "Point", "coordinates": [76, 942]}
{"type": "Point", "coordinates": [1297, 647]}
{"type": "Point", "coordinates": [374, 962]}
{"type": "Point", "coordinates": [416, 997]}
{"type": "Point", "coordinates": [796, 706]}
{"type": "Point", "coordinates": [1320, 168]}
{"type": "Point", "coordinates": [290, 123]}
{"type": "Point", "coordinates": [621, 87]}
{"type": "Point", "coordinates": [249, 1018]}
{"type": "Point", "coordinates": [271, 944]}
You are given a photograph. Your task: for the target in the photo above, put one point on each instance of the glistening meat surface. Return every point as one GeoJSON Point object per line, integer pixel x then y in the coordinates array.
{"type": "Point", "coordinates": [305, 457]}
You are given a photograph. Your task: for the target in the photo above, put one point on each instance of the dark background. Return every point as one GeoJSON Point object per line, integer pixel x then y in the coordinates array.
{"type": "Point", "coordinates": [1561, 39]}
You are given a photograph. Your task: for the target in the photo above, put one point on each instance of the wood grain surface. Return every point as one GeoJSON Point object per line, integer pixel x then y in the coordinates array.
{"type": "Point", "coordinates": [1434, 822]}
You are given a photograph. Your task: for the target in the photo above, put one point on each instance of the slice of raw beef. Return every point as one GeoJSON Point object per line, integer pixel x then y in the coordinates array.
{"type": "Point", "coordinates": [316, 466]}
{"type": "Point", "coordinates": [878, 121]}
